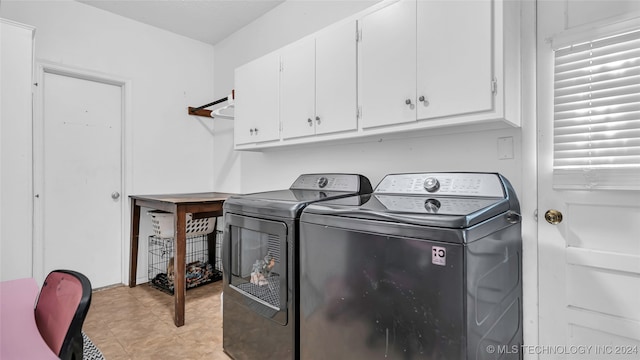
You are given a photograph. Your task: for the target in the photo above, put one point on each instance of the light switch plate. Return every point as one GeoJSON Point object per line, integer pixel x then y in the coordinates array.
{"type": "Point", "coordinates": [505, 148]}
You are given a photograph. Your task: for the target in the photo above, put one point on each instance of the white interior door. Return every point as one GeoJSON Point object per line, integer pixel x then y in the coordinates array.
{"type": "Point", "coordinates": [589, 262]}
{"type": "Point", "coordinates": [82, 181]}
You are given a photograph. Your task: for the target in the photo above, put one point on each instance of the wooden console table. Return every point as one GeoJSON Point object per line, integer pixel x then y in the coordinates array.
{"type": "Point", "coordinates": [201, 205]}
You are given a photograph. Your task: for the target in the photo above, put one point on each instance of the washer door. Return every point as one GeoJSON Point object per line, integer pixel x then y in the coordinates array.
{"type": "Point", "coordinates": [255, 264]}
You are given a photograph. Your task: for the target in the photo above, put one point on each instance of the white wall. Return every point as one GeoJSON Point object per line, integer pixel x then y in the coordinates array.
{"type": "Point", "coordinates": [166, 150]}
{"type": "Point", "coordinates": [249, 172]}
{"type": "Point", "coordinates": [172, 151]}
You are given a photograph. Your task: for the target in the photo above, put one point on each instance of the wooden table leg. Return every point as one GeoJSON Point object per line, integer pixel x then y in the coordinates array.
{"type": "Point", "coordinates": [211, 244]}
{"type": "Point", "coordinates": [133, 253]}
{"type": "Point", "coordinates": [180, 246]}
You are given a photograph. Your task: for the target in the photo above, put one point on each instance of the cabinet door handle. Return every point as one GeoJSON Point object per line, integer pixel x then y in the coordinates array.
{"type": "Point", "coordinates": [424, 100]}
{"type": "Point", "coordinates": [317, 119]}
{"type": "Point", "coordinates": [256, 131]}
{"type": "Point", "coordinates": [251, 131]}
{"type": "Point", "coordinates": [310, 121]}
{"type": "Point", "coordinates": [408, 101]}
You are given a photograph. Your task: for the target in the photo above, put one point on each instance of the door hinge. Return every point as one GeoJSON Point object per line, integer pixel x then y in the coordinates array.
{"type": "Point", "coordinates": [494, 86]}
{"type": "Point", "coordinates": [358, 112]}
{"type": "Point", "coordinates": [280, 127]}
{"type": "Point", "coordinates": [358, 35]}
{"type": "Point", "coordinates": [281, 66]}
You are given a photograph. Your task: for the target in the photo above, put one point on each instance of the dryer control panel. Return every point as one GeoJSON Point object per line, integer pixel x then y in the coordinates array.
{"type": "Point", "coordinates": [443, 184]}
{"type": "Point", "coordinates": [327, 182]}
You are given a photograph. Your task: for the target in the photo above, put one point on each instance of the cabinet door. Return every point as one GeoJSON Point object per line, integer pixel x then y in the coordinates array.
{"type": "Point", "coordinates": [454, 57]}
{"type": "Point", "coordinates": [336, 77]}
{"type": "Point", "coordinates": [297, 89]}
{"type": "Point", "coordinates": [388, 61]}
{"type": "Point", "coordinates": [256, 103]}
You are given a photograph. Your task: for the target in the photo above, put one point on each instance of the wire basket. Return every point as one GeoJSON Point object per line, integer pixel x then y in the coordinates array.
{"type": "Point", "coordinates": [202, 267]}
{"type": "Point", "coordinates": [163, 225]}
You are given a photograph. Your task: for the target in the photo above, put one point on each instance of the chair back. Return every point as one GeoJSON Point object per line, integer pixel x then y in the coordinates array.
{"type": "Point", "coordinates": [60, 311]}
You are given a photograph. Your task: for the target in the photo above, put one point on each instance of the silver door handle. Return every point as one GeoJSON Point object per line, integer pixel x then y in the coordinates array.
{"type": "Point", "coordinates": [115, 195]}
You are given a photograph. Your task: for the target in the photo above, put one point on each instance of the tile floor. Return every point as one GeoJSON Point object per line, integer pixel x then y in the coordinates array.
{"type": "Point", "coordinates": [137, 324]}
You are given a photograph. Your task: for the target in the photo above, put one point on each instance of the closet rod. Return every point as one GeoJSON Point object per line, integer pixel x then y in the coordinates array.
{"type": "Point", "coordinates": [200, 110]}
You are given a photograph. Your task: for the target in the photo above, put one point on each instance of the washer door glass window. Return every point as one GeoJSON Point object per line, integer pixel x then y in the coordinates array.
{"type": "Point", "coordinates": [258, 261]}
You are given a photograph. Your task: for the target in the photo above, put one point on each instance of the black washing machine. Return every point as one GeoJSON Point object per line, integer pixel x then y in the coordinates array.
{"type": "Point", "coordinates": [427, 267]}
{"type": "Point", "coordinates": [259, 257]}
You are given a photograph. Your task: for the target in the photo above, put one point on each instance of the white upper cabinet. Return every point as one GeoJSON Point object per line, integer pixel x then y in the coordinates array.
{"type": "Point", "coordinates": [388, 65]}
{"type": "Point", "coordinates": [336, 77]}
{"type": "Point", "coordinates": [298, 89]}
{"type": "Point", "coordinates": [256, 103]}
{"type": "Point", "coordinates": [399, 66]}
{"type": "Point", "coordinates": [318, 83]}
{"type": "Point", "coordinates": [454, 66]}
{"type": "Point", "coordinates": [426, 59]}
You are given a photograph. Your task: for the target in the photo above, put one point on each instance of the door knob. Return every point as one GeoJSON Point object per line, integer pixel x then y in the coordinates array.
{"type": "Point", "coordinates": [553, 217]}
{"type": "Point", "coordinates": [115, 195]}
{"type": "Point", "coordinates": [310, 121]}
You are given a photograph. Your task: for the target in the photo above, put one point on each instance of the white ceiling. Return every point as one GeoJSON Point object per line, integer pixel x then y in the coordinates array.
{"type": "Point", "coordinates": [209, 21]}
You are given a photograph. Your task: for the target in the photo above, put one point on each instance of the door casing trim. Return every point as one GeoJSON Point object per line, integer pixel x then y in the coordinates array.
{"type": "Point", "coordinates": [43, 67]}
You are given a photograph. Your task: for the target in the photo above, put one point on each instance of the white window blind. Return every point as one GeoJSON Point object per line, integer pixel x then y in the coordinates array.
{"type": "Point", "coordinates": [597, 105]}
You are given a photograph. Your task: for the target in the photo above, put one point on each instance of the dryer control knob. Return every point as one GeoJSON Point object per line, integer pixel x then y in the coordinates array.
{"type": "Point", "coordinates": [431, 184]}
{"type": "Point", "coordinates": [322, 182]}
{"type": "Point", "coordinates": [432, 206]}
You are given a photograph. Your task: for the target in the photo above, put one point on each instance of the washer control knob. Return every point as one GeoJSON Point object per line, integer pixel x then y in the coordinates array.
{"type": "Point", "coordinates": [431, 184]}
{"type": "Point", "coordinates": [432, 205]}
{"type": "Point", "coordinates": [322, 182]}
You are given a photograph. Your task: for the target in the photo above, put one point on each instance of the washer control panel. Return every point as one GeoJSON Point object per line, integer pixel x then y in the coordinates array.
{"type": "Point", "coordinates": [327, 182]}
{"type": "Point", "coordinates": [443, 184]}
{"type": "Point", "coordinates": [429, 205]}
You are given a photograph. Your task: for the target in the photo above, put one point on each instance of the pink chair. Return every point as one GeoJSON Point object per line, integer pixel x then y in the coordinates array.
{"type": "Point", "coordinates": [60, 311]}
